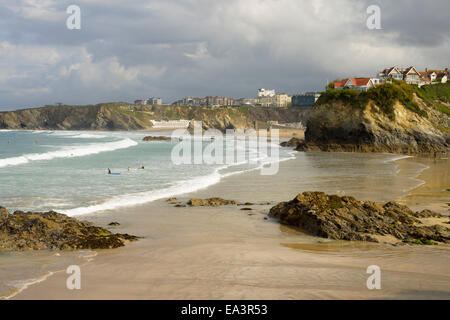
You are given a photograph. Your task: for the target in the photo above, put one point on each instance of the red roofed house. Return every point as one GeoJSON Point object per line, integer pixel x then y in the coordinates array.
{"type": "Point", "coordinates": [362, 84]}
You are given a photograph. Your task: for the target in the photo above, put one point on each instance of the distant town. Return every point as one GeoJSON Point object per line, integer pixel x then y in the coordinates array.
{"type": "Point", "coordinates": [271, 99]}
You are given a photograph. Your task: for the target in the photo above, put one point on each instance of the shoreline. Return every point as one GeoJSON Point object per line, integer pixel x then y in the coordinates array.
{"type": "Point", "coordinates": [142, 209]}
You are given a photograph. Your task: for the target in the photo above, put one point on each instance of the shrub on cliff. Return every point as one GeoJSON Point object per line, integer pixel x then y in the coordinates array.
{"type": "Point", "coordinates": [384, 96]}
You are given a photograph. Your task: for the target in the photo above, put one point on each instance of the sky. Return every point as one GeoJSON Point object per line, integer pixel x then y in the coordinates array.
{"type": "Point", "coordinates": [128, 50]}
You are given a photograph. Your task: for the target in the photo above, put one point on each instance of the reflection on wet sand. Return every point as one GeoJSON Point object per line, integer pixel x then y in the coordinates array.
{"type": "Point", "coordinates": [226, 253]}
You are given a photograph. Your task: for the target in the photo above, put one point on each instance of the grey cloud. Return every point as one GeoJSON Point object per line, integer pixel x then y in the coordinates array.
{"type": "Point", "coordinates": [174, 48]}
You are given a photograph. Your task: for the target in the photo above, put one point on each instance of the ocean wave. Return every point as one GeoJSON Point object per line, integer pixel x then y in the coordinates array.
{"type": "Point", "coordinates": [24, 284]}
{"type": "Point", "coordinates": [129, 200]}
{"type": "Point", "coordinates": [397, 158]}
{"type": "Point", "coordinates": [69, 152]}
{"type": "Point", "coordinates": [180, 188]}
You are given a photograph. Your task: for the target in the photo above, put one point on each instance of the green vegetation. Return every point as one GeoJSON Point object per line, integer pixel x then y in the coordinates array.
{"type": "Point", "coordinates": [104, 234]}
{"type": "Point", "coordinates": [440, 91]}
{"type": "Point", "coordinates": [244, 110]}
{"type": "Point", "coordinates": [335, 202]}
{"type": "Point", "coordinates": [435, 93]}
{"type": "Point", "coordinates": [384, 96]}
{"type": "Point", "coordinates": [424, 242]}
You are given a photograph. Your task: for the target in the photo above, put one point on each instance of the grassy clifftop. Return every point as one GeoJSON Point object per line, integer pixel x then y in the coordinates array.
{"type": "Point", "coordinates": [388, 94]}
{"type": "Point", "coordinates": [394, 117]}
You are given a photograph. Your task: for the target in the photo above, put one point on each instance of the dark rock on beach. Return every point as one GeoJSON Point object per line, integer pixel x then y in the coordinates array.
{"type": "Point", "coordinates": [293, 143]}
{"type": "Point", "coordinates": [51, 230]}
{"type": "Point", "coordinates": [114, 224]}
{"type": "Point", "coordinates": [151, 139]}
{"type": "Point", "coordinates": [345, 218]}
{"type": "Point", "coordinates": [212, 202]}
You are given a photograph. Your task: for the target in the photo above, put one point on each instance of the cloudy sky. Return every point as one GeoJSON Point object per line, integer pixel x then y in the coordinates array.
{"type": "Point", "coordinates": [173, 48]}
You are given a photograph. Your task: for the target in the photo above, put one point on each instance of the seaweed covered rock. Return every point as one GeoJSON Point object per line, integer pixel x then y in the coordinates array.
{"type": "Point", "coordinates": [345, 218]}
{"type": "Point", "coordinates": [293, 143]}
{"type": "Point", "coordinates": [151, 139]}
{"type": "Point", "coordinates": [212, 202]}
{"type": "Point", "coordinates": [52, 230]}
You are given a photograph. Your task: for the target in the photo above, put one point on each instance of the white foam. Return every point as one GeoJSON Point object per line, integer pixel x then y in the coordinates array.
{"type": "Point", "coordinates": [396, 158]}
{"type": "Point", "coordinates": [69, 152]}
{"type": "Point", "coordinates": [180, 188]}
{"type": "Point", "coordinates": [22, 285]}
{"type": "Point", "coordinates": [129, 200]}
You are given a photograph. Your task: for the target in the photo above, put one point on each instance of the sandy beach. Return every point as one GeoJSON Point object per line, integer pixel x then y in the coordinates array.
{"type": "Point", "coordinates": [227, 253]}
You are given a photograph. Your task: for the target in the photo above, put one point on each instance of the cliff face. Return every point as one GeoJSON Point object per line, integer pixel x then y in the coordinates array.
{"type": "Point", "coordinates": [122, 116]}
{"type": "Point", "coordinates": [337, 126]}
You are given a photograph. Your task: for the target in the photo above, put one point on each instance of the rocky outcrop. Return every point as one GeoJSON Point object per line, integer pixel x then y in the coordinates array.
{"type": "Point", "coordinates": [212, 202]}
{"type": "Point", "coordinates": [345, 218]}
{"type": "Point", "coordinates": [295, 143]}
{"type": "Point", "coordinates": [396, 118]}
{"type": "Point", "coordinates": [51, 230]}
{"type": "Point", "coordinates": [123, 116]}
{"type": "Point", "coordinates": [151, 139]}
{"type": "Point", "coordinates": [336, 126]}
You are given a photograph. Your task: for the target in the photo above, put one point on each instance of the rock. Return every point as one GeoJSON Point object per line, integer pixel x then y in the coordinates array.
{"type": "Point", "coordinates": [51, 230]}
{"type": "Point", "coordinates": [246, 204]}
{"type": "Point", "coordinates": [180, 206]}
{"type": "Point", "coordinates": [427, 214]}
{"type": "Point", "coordinates": [151, 139]}
{"type": "Point", "coordinates": [345, 218]}
{"type": "Point", "coordinates": [338, 126]}
{"type": "Point", "coordinates": [293, 143]}
{"type": "Point", "coordinates": [171, 199]}
{"type": "Point", "coordinates": [246, 209]}
{"type": "Point", "coordinates": [114, 224]}
{"type": "Point", "coordinates": [212, 202]}
{"type": "Point", "coordinates": [3, 213]}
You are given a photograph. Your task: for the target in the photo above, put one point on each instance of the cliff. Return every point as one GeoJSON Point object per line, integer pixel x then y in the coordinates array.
{"type": "Point", "coordinates": [394, 118]}
{"type": "Point", "coordinates": [122, 116]}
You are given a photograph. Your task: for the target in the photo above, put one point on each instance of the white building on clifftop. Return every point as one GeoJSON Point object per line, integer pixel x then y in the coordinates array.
{"type": "Point", "coordinates": [265, 93]}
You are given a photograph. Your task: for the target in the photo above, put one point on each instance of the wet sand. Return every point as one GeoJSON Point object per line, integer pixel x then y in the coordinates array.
{"type": "Point", "coordinates": [226, 253]}
{"type": "Point", "coordinates": [433, 194]}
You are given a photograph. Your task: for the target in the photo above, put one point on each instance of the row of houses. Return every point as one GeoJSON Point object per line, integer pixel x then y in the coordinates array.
{"type": "Point", "coordinates": [150, 101]}
{"type": "Point", "coordinates": [410, 75]}
{"type": "Point", "coordinates": [268, 98]}
{"type": "Point", "coordinates": [206, 101]}
{"type": "Point", "coordinates": [264, 98]}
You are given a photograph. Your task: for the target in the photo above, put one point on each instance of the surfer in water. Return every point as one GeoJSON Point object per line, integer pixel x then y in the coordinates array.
{"type": "Point", "coordinates": [143, 168]}
{"type": "Point", "coordinates": [109, 171]}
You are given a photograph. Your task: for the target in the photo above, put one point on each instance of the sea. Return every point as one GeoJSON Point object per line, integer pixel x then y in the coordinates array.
{"type": "Point", "coordinates": [67, 171]}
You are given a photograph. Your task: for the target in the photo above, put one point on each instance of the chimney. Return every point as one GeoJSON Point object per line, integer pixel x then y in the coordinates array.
{"type": "Point", "coordinates": [426, 70]}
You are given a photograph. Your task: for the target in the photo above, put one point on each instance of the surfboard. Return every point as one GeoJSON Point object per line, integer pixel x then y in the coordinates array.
{"type": "Point", "coordinates": [115, 174]}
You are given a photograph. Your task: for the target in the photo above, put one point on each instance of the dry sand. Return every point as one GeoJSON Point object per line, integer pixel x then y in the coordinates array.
{"type": "Point", "coordinates": [226, 253]}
